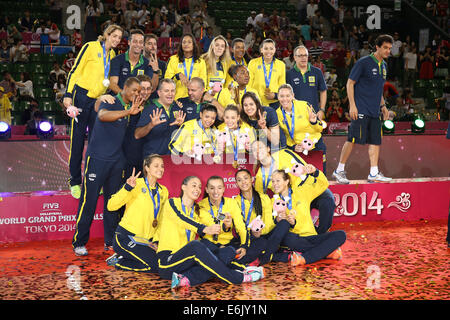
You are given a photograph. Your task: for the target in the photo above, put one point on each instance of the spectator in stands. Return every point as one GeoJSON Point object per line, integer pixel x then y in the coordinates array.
{"type": "Point", "coordinates": [409, 76]}
{"type": "Point", "coordinates": [301, 7]}
{"type": "Point", "coordinates": [208, 36]}
{"type": "Point", "coordinates": [335, 113]}
{"type": "Point", "coordinates": [337, 30]}
{"type": "Point", "coordinates": [442, 13]}
{"type": "Point", "coordinates": [311, 9]}
{"type": "Point", "coordinates": [91, 27]}
{"type": "Point", "coordinates": [107, 23]}
{"type": "Point", "coordinates": [5, 107]}
{"type": "Point", "coordinates": [252, 19]}
{"type": "Point", "coordinates": [5, 51]}
{"type": "Point", "coordinates": [77, 40]}
{"type": "Point", "coordinates": [183, 6]}
{"type": "Point", "coordinates": [116, 11]}
{"type": "Point", "coordinates": [142, 15]}
{"type": "Point", "coordinates": [315, 50]}
{"type": "Point", "coordinates": [262, 21]}
{"type": "Point", "coordinates": [353, 41]}
{"type": "Point", "coordinates": [362, 35]}
{"type": "Point", "coordinates": [59, 88]}
{"type": "Point", "coordinates": [13, 32]}
{"type": "Point", "coordinates": [331, 77]}
{"type": "Point", "coordinates": [33, 124]}
{"type": "Point", "coordinates": [426, 64]}
{"type": "Point", "coordinates": [56, 71]}
{"type": "Point", "coordinates": [318, 22]}
{"type": "Point", "coordinates": [431, 7]}
{"type": "Point", "coordinates": [25, 86]}
{"type": "Point", "coordinates": [26, 22]}
{"type": "Point", "coordinates": [186, 24]}
{"type": "Point", "coordinates": [348, 23]}
{"type": "Point", "coordinates": [289, 61]}
{"type": "Point", "coordinates": [306, 30]}
{"type": "Point", "coordinates": [199, 27]}
{"type": "Point", "coordinates": [317, 62]}
{"type": "Point", "coordinates": [68, 62]}
{"type": "Point", "coordinates": [19, 52]}
{"type": "Point", "coordinates": [284, 21]}
{"type": "Point", "coordinates": [390, 93]}
{"type": "Point", "coordinates": [442, 60]}
{"type": "Point", "coordinates": [274, 20]}
{"type": "Point", "coordinates": [129, 14]}
{"type": "Point", "coordinates": [8, 85]}
{"type": "Point", "coordinates": [338, 55]}
{"type": "Point", "coordinates": [394, 62]}
{"type": "Point", "coordinates": [165, 28]}
{"type": "Point", "coordinates": [364, 51]}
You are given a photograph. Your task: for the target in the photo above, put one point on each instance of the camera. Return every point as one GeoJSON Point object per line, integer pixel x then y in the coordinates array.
{"type": "Point", "coordinates": [220, 217]}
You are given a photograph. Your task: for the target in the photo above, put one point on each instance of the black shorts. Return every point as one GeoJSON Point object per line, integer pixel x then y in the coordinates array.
{"type": "Point", "coordinates": [365, 130]}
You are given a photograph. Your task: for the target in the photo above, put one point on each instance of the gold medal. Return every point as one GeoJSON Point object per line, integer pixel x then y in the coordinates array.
{"type": "Point", "coordinates": [235, 164]}
{"type": "Point", "coordinates": [155, 223]}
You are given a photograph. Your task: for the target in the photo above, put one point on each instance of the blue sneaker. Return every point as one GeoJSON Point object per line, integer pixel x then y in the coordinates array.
{"type": "Point", "coordinates": [178, 280]}
{"type": "Point", "coordinates": [112, 260]}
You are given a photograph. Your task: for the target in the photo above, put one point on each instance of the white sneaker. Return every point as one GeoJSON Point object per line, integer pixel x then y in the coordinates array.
{"type": "Point", "coordinates": [341, 177]}
{"type": "Point", "coordinates": [80, 251]}
{"type": "Point", "coordinates": [378, 178]}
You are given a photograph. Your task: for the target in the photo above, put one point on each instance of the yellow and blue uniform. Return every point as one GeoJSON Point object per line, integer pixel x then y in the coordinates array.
{"type": "Point", "coordinates": [190, 108]}
{"type": "Point", "coordinates": [190, 133]}
{"type": "Point", "coordinates": [220, 75]}
{"type": "Point", "coordinates": [189, 68]}
{"type": "Point", "coordinates": [103, 168]}
{"type": "Point", "coordinates": [303, 237]}
{"type": "Point", "coordinates": [84, 85]}
{"type": "Point", "coordinates": [179, 252]}
{"type": "Point", "coordinates": [266, 75]}
{"type": "Point", "coordinates": [232, 146]}
{"type": "Point", "coordinates": [137, 227]}
{"type": "Point", "coordinates": [224, 97]}
{"type": "Point", "coordinates": [296, 124]}
{"type": "Point", "coordinates": [157, 140]}
{"type": "Point", "coordinates": [121, 67]}
{"type": "Point", "coordinates": [233, 91]}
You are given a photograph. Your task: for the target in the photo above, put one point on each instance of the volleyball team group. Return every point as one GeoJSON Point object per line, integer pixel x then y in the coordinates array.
{"type": "Point", "coordinates": [213, 107]}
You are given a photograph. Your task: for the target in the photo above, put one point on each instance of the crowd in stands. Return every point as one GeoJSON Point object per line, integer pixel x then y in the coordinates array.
{"type": "Point", "coordinates": [353, 41]}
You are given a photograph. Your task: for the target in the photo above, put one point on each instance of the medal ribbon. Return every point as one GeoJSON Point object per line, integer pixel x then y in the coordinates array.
{"type": "Point", "coordinates": [191, 69]}
{"type": "Point", "coordinates": [155, 207]}
{"type": "Point", "coordinates": [267, 79]}
{"type": "Point", "coordinates": [207, 135]}
{"type": "Point", "coordinates": [266, 181]}
{"type": "Point", "coordinates": [249, 210]}
{"type": "Point", "coordinates": [106, 61]}
{"type": "Point", "coordinates": [211, 211]}
{"type": "Point", "coordinates": [292, 128]}
{"type": "Point", "coordinates": [290, 199]}
{"type": "Point", "coordinates": [188, 232]}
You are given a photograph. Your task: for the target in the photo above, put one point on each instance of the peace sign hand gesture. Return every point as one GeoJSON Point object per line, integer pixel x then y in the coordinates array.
{"type": "Point", "coordinates": [131, 181]}
{"type": "Point", "coordinates": [261, 121]}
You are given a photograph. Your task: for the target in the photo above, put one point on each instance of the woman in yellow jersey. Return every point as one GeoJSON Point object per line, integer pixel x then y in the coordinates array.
{"type": "Point", "coordinates": [217, 60]}
{"type": "Point", "coordinates": [136, 237]}
{"type": "Point", "coordinates": [241, 77]}
{"type": "Point", "coordinates": [267, 73]}
{"type": "Point", "coordinates": [238, 138]}
{"type": "Point", "coordinates": [215, 208]}
{"type": "Point", "coordinates": [307, 245]}
{"type": "Point", "coordinates": [87, 80]}
{"type": "Point", "coordinates": [184, 259]}
{"type": "Point", "coordinates": [195, 138]}
{"type": "Point", "coordinates": [263, 119]}
{"type": "Point", "coordinates": [290, 161]}
{"type": "Point", "coordinates": [264, 244]}
{"type": "Point", "coordinates": [185, 65]}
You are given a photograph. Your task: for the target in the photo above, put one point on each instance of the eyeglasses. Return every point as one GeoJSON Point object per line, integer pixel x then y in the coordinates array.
{"type": "Point", "coordinates": [302, 55]}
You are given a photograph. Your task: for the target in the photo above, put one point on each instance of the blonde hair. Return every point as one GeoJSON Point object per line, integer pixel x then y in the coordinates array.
{"type": "Point", "coordinates": [210, 58]}
{"type": "Point", "coordinates": [111, 28]}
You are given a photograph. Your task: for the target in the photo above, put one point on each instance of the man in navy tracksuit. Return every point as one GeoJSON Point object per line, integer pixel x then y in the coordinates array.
{"type": "Point", "coordinates": [104, 164]}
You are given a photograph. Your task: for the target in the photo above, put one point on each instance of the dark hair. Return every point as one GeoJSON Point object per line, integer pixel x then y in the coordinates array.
{"type": "Point", "coordinates": [257, 204]}
{"type": "Point", "coordinates": [150, 36]}
{"type": "Point", "coordinates": [253, 96]}
{"type": "Point", "coordinates": [144, 77]}
{"type": "Point", "coordinates": [206, 195]}
{"type": "Point", "coordinates": [382, 39]}
{"type": "Point", "coordinates": [136, 31]}
{"type": "Point", "coordinates": [148, 161]}
{"type": "Point", "coordinates": [236, 40]}
{"type": "Point", "coordinates": [196, 51]}
{"type": "Point", "coordinates": [233, 70]}
{"type": "Point", "coordinates": [231, 107]}
{"type": "Point", "coordinates": [285, 175]}
{"type": "Point", "coordinates": [184, 183]}
{"type": "Point", "coordinates": [208, 107]}
{"type": "Point", "coordinates": [130, 81]}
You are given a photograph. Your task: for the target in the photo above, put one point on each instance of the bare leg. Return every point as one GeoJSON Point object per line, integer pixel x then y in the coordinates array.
{"type": "Point", "coordinates": [345, 152]}
{"type": "Point", "coordinates": [374, 152]}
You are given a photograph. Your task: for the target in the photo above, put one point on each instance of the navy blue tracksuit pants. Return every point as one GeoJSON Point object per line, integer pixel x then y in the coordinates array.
{"type": "Point", "coordinates": [326, 205]}
{"type": "Point", "coordinates": [86, 119]}
{"type": "Point", "coordinates": [98, 174]}
{"type": "Point", "coordinates": [315, 248]}
{"type": "Point", "coordinates": [194, 254]}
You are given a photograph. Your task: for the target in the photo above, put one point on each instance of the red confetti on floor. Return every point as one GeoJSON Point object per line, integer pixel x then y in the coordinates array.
{"type": "Point", "coordinates": [382, 260]}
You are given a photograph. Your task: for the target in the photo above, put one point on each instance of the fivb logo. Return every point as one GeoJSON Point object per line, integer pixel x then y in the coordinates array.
{"type": "Point", "coordinates": [50, 206]}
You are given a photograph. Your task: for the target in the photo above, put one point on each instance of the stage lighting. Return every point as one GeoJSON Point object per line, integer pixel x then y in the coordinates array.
{"type": "Point", "coordinates": [5, 131]}
{"type": "Point", "coordinates": [418, 125]}
{"type": "Point", "coordinates": [45, 130]}
{"type": "Point", "coordinates": [388, 127]}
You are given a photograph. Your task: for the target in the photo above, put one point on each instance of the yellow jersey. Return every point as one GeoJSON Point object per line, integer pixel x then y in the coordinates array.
{"type": "Point", "coordinates": [88, 71]}
{"type": "Point", "coordinates": [139, 209]}
{"type": "Point", "coordinates": [236, 138]}
{"type": "Point", "coordinates": [258, 77]}
{"type": "Point", "coordinates": [219, 76]}
{"type": "Point", "coordinates": [224, 98]}
{"type": "Point", "coordinates": [228, 205]}
{"type": "Point", "coordinates": [175, 66]}
{"type": "Point", "coordinates": [301, 199]}
{"type": "Point", "coordinates": [191, 134]}
{"type": "Point", "coordinates": [178, 226]}
{"type": "Point", "coordinates": [301, 124]}
{"type": "Point", "coordinates": [266, 217]}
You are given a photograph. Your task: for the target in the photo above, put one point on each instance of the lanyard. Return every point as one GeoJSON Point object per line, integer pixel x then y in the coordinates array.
{"type": "Point", "coordinates": [289, 204]}
{"type": "Point", "coordinates": [211, 211]}
{"type": "Point", "coordinates": [235, 147]}
{"type": "Point", "coordinates": [263, 171]}
{"type": "Point", "coordinates": [234, 59]}
{"type": "Point", "coordinates": [207, 135]}
{"type": "Point", "coordinates": [267, 79]}
{"type": "Point", "coordinates": [292, 128]}
{"type": "Point", "coordinates": [155, 207]}
{"type": "Point", "coordinates": [191, 69]}
{"type": "Point", "coordinates": [188, 232]}
{"type": "Point", "coordinates": [106, 64]}
{"type": "Point", "coordinates": [249, 210]}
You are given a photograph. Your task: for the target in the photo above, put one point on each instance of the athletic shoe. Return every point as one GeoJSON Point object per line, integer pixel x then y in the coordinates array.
{"type": "Point", "coordinates": [80, 251]}
{"type": "Point", "coordinates": [112, 260]}
{"type": "Point", "coordinates": [378, 178]}
{"type": "Point", "coordinates": [341, 177]}
{"type": "Point", "coordinates": [254, 263]}
{"type": "Point", "coordinates": [252, 274]}
{"type": "Point", "coordinates": [75, 191]}
{"type": "Point", "coordinates": [296, 258]}
{"type": "Point", "coordinates": [178, 280]}
{"type": "Point", "coordinates": [336, 254]}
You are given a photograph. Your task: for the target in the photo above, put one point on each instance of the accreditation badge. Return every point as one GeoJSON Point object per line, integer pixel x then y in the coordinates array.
{"type": "Point", "coordinates": [140, 72]}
